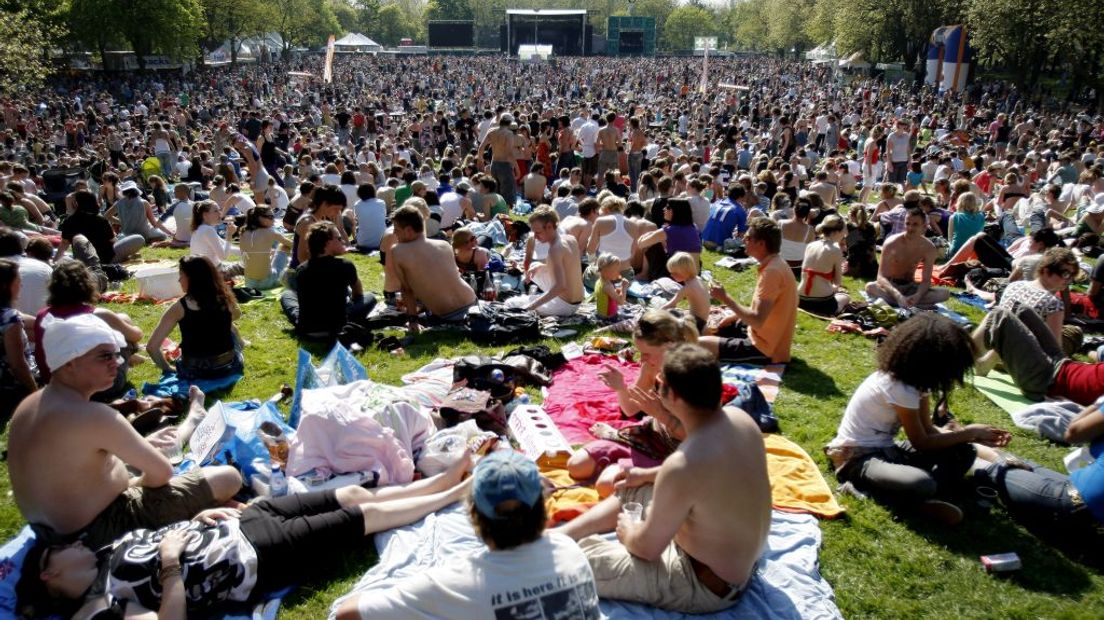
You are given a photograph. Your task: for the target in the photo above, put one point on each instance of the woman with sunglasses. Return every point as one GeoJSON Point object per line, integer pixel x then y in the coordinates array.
{"type": "Point", "coordinates": [1054, 273]}
{"type": "Point", "coordinates": [263, 268]}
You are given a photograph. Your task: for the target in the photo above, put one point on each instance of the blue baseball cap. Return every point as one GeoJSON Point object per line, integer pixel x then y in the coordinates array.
{"type": "Point", "coordinates": [503, 476]}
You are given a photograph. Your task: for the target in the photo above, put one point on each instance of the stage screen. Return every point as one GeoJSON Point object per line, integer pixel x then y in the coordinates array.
{"type": "Point", "coordinates": [451, 33]}
{"type": "Point", "coordinates": [562, 29]}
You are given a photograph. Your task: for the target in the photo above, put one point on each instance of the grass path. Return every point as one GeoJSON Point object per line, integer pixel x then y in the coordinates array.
{"type": "Point", "coordinates": [880, 565]}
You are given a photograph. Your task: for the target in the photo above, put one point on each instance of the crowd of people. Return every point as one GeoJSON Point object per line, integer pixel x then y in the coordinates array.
{"type": "Point", "coordinates": [580, 177]}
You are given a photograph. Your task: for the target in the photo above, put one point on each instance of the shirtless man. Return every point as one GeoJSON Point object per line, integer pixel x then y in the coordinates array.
{"type": "Point", "coordinates": [609, 137]}
{"type": "Point", "coordinates": [901, 254]}
{"type": "Point", "coordinates": [68, 456]}
{"type": "Point", "coordinates": [825, 189]}
{"type": "Point", "coordinates": [579, 226]}
{"type": "Point", "coordinates": [504, 166]}
{"type": "Point", "coordinates": [426, 271]}
{"type": "Point", "coordinates": [560, 278]}
{"type": "Point", "coordinates": [706, 508]}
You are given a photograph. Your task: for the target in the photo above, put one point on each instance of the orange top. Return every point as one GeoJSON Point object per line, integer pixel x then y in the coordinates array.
{"type": "Point", "coordinates": [777, 284]}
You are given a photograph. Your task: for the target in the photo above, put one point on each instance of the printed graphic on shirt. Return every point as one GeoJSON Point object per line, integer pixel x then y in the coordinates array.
{"type": "Point", "coordinates": [569, 597]}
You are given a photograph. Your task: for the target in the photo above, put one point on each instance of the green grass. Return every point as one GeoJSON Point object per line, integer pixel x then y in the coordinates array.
{"type": "Point", "coordinates": [880, 565]}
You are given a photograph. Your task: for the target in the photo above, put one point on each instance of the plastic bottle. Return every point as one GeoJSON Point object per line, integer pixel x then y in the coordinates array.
{"type": "Point", "coordinates": [489, 292]}
{"type": "Point", "coordinates": [277, 482]}
{"type": "Point", "coordinates": [472, 283]}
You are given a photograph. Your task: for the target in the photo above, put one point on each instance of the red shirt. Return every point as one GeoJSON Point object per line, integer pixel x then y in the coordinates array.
{"type": "Point", "coordinates": [1080, 382]}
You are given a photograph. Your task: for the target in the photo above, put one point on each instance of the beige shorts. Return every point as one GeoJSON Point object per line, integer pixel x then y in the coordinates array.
{"type": "Point", "coordinates": [668, 583]}
{"type": "Point", "coordinates": [151, 508]}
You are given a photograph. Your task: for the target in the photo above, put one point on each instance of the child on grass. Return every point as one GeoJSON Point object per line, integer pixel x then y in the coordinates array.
{"type": "Point", "coordinates": [611, 290]}
{"type": "Point", "coordinates": [684, 270]}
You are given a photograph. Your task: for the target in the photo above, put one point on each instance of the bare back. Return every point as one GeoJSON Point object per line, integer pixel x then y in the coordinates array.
{"type": "Point", "coordinates": [564, 251]}
{"type": "Point", "coordinates": [61, 474]}
{"type": "Point", "coordinates": [730, 498]}
{"type": "Point", "coordinates": [502, 144]}
{"type": "Point", "coordinates": [427, 267]}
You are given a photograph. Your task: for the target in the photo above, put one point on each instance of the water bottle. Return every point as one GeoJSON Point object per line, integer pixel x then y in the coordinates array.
{"type": "Point", "coordinates": [277, 482]}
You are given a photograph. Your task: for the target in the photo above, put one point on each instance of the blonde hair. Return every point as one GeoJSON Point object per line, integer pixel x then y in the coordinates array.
{"type": "Point", "coordinates": [968, 203]}
{"type": "Point", "coordinates": [613, 204]}
{"type": "Point", "coordinates": [831, 224]}
{"type": "Point", "coordinates": [462, 237]}
{"type": "Point", "coordinates": [682, 262]}
{"type": "Point", "coordinates": [605, 260]}
{"type": "Point", "coordinates": [420, 204]}
{"type": "Point", "coordinates": [659, 327]}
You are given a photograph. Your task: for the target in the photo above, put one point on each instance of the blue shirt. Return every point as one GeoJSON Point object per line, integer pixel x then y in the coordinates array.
{"type": "Point", "coordinates": [1089, 480]}
{"type": "Point", "coordinates": [724, 217]}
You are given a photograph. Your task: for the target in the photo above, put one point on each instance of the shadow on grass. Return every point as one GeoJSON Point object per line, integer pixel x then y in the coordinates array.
{"type": "Point", "coordinates": [809, 380]}
{"type": "Point", "coordinates": [1045, 568]}
{"type": "Point", "coordinates": [340, 564]}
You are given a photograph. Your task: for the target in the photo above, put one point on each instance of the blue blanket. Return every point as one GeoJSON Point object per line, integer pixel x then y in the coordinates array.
{"type": "Point", "coordinates": [788, 584]}
{"type": "Point", "coordinates": [172, 386]}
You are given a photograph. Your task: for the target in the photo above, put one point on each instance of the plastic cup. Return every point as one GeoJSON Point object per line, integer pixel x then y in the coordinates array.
{"type": "Point", "coordinates": [634, 510]}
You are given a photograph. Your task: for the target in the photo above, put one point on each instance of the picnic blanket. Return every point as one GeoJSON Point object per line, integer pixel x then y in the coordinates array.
{"type": "Point", "coordinates": [577, 398]}
{"type": "Point", "coordinates": [971, 300]}
{"type": "Point", "coordinates": [788, 584]}
{"type": "Point", "coordinates": [999, 388]}
{"type": "Point", "coordinates": [171, 386]}
{"type": "Point", "coordinates": [796, 482]}
{"type": "Point", "coordinates": [1050, 418]}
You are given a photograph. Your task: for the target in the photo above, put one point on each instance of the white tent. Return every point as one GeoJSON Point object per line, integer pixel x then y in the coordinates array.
{"type": "Point", "coordinates": [854, 61]}
{"type": "Point", "coordinates": [356, 42]}
{"type": "Point", "coordinates": [822, 53]}
{"type": "Point", "coordinates": [249, 48]}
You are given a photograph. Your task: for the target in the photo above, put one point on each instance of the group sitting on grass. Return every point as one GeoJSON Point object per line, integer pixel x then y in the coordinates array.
{"type": "Point", "coordinates": [589, 209]}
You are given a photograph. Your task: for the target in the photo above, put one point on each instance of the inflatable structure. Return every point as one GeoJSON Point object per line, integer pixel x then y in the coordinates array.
{"type": "Point", "coordinates": [949, 57]}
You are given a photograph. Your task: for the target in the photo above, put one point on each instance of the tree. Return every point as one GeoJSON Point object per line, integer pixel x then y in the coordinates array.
{"type": "Point", "coordinates": [24, 41]}
{"type": "Point", "coordinates": [170, 28]}
{"type": "Point", "coordinates": [91, 25]}
{"type": "Point", "coordinates": [367, 15]}
{"type": "Point", "coordinates": [346, 16]}
{"type": "Point", "coordinates": [449, 9]}
{"type": "Point", "coordinates": [686, 22]}
{"type": "Point", "coordinates": [659, 9]}
{"type": "Point", "coordinates": [233, 22]}
{"type": "Point", "coordinates": [884, 30]}
{"type": "Point", "coordinates": [394, 25]}
{"type": "Point", "coordinates": [786, 24]}
{"type": "Point", "coordinates": [306, 23]}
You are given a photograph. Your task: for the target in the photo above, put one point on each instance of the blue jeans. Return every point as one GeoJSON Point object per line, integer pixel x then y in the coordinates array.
{"type": "Point", "coordinates": [503, 173]}
{"type": "Point", "coordinates": [279, 265]}
{"type": "Point", "coordinates": [1045, 502]}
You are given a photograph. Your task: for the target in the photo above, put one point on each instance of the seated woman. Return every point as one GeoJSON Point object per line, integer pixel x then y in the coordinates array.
{"type": "Point", "coordinates": [206, 241]}
{"type": "Point", "coordinates": [263, 268]}
{"type": "Point", "coordinates": [797, 233]}
{"type": "Point", "coordinates": [73, 291]}
{"type": "Point", "coordinates": [822, 271]}
{"type": "Point", "coordinates": [470, 256]}
{"type": "Point", "coordinates": [928, 353]}
{"type": "Point", "coordinates": [18, 376]}
{"type": "Point", "coordinates": [223, 555]}
{"type": "Point", "coordinates": [1054, 273]}
{"type": "Point", "coordinates": [209, 347]}
{"type": "Point", "coordinates": [1067, 510]}
{"type": "Point", "coordinates": [679, 234]}
{"type": "Point", "coordinates": [658, 434]}
{"type": "Point", "coordinates": [861, 244]}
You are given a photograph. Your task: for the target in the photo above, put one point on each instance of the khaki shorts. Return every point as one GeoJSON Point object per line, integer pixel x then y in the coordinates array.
{"type": "Point", "coordinates": [668, 583]}
{"type": "Point", "coordinates": [149, 508]}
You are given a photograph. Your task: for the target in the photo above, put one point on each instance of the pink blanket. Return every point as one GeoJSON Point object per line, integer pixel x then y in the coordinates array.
{"type": "Point", "coordinates": [577, 398]}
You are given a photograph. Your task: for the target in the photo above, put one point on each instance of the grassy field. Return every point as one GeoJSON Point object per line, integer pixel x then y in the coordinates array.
{"type": "Point", "coordinates": [880, 565]}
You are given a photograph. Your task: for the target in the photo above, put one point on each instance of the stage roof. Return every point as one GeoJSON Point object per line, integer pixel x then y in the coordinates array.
{"type": "Point", "coordinates": [548, 12]}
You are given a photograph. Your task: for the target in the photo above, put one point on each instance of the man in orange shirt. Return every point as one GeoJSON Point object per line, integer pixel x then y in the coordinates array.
{"type": "Point", "coordinates": [772, 315]}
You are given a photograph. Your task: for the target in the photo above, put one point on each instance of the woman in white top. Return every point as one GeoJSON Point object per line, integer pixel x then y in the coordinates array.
{"type": "Point", "coordinates": [206, 240]}
{"type": "Point", "coordinates": [822, 271]}
{"type": "Point", "coordinates": [796, 235]}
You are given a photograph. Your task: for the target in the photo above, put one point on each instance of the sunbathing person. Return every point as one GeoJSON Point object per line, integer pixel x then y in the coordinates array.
{"type": "Point", "coordinates": [1023, 342]}
{"type": "Point", "coordinates": [560, 277]}
{"type": "Point", "coordinates": [223, 554]}
{"type": "Point", "coordinates": [209, 346]}
{"type": "Point", "coordinates": [822, 271]}
{"type": "Point", "coordinates": [656, 437]}
{"type": "Point", "coordinates": [902, 253]}
{"type": "Point", "coordinates": [523, 570]}
{"type": "Point", "coordinates": [928, 353]}
{"type": "Point", "coordinates": [63, 448]}
{"type": "Point", "coordinates": [706, 508]}
{"type": "Point", "coordinates": [426, 271]}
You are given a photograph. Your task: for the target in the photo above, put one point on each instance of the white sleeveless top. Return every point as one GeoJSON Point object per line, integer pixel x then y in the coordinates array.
{"type": "Point", "coordinates": [619, 242]}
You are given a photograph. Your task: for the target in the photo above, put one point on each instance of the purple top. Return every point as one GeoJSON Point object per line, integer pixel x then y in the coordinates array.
{"type": "Point", "coordinates": [683, 238]}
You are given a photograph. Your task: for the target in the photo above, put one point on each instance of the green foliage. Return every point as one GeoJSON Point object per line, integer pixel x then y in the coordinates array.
{"type": "Point", "coordinates": [394, 25]}
{"type": "Point", "coordinates": [686, 22]}
{"type": "Point", "coordinates": [25, 39]}
{"type": "Point", "coordinates": [449, 9]}
{"type": "Point", "coordinates": [346, 15]}
{"type": "Point", "coordinates": [306, 23]}
{"type": "Point", "coordinates": [233, 21]}
{"type": "Point", "coordinates": [172, 28]}
{"type": "Point", "coordinates": [367, 12]}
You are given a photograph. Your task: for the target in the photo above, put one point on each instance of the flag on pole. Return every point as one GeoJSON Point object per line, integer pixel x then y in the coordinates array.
{"type": "Point", "coordinates": [327, 72]}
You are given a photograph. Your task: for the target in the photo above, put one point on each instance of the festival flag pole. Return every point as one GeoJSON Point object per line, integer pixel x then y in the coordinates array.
{"type": "Point", "coordinates": [327, 72]}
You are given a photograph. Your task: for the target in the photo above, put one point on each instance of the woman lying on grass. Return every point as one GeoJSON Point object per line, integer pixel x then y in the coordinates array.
{"type": "Point", "coordinates": [222, 554]}
{"type": "Point", "coordinates": [928, 353]}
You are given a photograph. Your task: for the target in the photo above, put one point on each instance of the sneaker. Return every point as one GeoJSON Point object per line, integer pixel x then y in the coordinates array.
{"type": "Point", "coordinates": [941, 512]}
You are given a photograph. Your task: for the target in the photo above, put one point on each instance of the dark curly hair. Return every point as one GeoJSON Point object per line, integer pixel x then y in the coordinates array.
{"type": "Point", "coordinates": [70, 284]}
{"type": "Point", "coordinates": [928, 352]}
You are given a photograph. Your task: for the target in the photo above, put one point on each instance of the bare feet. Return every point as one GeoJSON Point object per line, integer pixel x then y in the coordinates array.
{"type": "Point", "coordinates": [601, 430]}
{"type": "Point", "coordinates": [196, 395]}
{"type": "Point", "coordinates": [986, 363]}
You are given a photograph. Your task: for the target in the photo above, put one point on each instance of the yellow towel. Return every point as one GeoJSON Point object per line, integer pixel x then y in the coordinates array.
{"type": "Point", "coordinates": [796, 482]}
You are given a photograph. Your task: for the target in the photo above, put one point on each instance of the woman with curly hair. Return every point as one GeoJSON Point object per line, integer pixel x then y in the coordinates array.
{"type": "Point", "coordinates": [926, 354]}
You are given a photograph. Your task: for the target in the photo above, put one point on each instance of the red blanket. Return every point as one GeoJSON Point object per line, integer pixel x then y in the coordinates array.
{"type": "Point", "coordinates": [577, 398]}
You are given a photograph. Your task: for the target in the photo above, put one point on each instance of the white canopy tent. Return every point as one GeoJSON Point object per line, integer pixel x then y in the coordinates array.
{"type": "Point", "coordinates": [356, 42]}
{"type": "Point", "coordinates": [822, 53]}
{"type": "Point", "coordinates": [854, 61]}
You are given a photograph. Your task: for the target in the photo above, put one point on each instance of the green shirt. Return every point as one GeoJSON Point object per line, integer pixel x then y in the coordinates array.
{"type": "Point", "coordinates": [401, 194]}
{"type": "Point", "coordinates": [16, 217]}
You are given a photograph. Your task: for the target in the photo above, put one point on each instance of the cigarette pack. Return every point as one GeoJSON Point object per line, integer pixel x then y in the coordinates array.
{"type": "Point", "coordinates": [1001, 562]}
